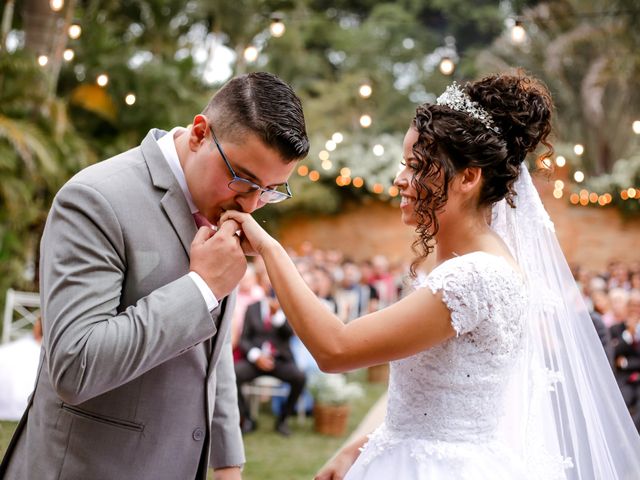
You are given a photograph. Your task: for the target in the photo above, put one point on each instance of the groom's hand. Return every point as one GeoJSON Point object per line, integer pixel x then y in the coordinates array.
{"type": "Point", "coordinates": [218, 258]}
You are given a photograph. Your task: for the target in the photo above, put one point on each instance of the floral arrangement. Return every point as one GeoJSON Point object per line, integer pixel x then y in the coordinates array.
{"type": "Point", "coordinates": [333, 389]}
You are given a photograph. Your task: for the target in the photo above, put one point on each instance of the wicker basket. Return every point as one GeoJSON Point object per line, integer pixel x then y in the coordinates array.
{"type": "Point", "coordinates": [331, 419]}
{"type": "Point", "coordinates": [378, 373]}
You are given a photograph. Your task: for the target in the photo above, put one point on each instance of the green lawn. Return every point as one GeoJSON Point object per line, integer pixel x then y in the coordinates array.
{"type": "Point", "coordinates": [271, 456]}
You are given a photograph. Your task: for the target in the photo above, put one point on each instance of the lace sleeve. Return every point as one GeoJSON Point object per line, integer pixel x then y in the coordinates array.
{"type": "Point", "coordinates": [466, 289]}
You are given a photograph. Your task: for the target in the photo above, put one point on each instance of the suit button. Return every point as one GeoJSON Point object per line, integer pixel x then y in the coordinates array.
{"type": "Point", "coordinates": [198, 434]}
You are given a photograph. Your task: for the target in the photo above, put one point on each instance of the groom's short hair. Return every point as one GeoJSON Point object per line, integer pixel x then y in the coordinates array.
{"type": "Point", "coordinates": [262, 104]}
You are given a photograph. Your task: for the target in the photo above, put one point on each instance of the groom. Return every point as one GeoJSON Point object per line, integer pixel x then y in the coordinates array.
{"type": "Point", "coordinates": [136, 379]}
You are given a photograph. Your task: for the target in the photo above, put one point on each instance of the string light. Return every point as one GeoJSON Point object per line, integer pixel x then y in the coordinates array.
{"type": "Point", "coordinates": [68, 54]}
{"type": "Point", "coordinates": [365, 121]}
{"type": "Point", "coordinates": [314, 175]}
{"type": "Point", "coordinates": [303, 170]}
{"type": "Point", "coordinates": [43, 60]}
{"type": "Point", "coordinates": [378, 188]}
{"type": "Point", "coordinates": [378, 150]}
{"type": "Point", "coordinates": [327, 164]}
{"type": "Point", "coordinates": [277, 27]}
{"type": "Point", "coordinates": [102, 80]}
{"type": "Point", "coordinates": [631, 192]}
{"type": "Point", "coordinates": [578, 176]}
{"type": "Point", "coordinates": [346, 181]}
{"type": "Point", "coordinates": [345, 172]}
{"type": "Point", "coordinates": [557, 194]}
{"type": "Point", "coordinates": [578, 149]}
{"type": "Point", "coordinates": [574, 198]}
{"type": "Point", "coordinates": [636, 127]}
{"type": "Point", "coordinates": [130, 99]}
{"type": "Point", "coordinates": [559, 184]}
{"type": "Point", "coordinates": [446, 66]}
{"type": "Point", "coordinates": [393, 191]}
{"type": "Point", "coordinates": [75, 31]}
{"type": "Point", "coordinates": [337, 137]}
{"type": "Point", "coordinates": [358, 182]}
{"type": "Point", "coordinates": [330, 145]}
{"type": "Point", "coordinates": [518, 33]}
{"type": "Point", "coordinates": [56, 5]}
{"type": "Point", "coordinates": [323, 155]}
{"type": "Point", "coordinates": [251, 54]}
{"type": "Point", "coordinates": [365, 90]}
{"type": "Point", "coordinates": [561, 161]}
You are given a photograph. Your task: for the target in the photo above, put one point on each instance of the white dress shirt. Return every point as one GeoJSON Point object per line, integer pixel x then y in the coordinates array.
{"type": "Point", "coordinates": [168, 148]}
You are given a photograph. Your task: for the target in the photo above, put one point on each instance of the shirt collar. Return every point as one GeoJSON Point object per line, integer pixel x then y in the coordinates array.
{"type": "Point", "coordinates": [168, 148]}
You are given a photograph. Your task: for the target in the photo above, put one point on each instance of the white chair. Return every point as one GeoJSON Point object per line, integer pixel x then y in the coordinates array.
{"type": "Point", "coordinates": [265, 388]}
{"type": "Point", "coordinates": [21, 310]}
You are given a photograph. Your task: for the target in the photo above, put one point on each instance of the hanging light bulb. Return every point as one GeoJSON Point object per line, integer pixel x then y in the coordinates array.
{"type": "Point", "coordinates": [447, 66]}
{"type": "Point", "coordinates": [518, 33]}
{"type": "Point", "coordinates": [43, 60]}
{"type": "Point", "coordinates": [365, 121]}
{"type": "Point", "coordinates": [68, 54]}
{"type": "Point", "coordinates": [130, 99]}
{"type": "Point", "coordinates": [337, 137]}
{"type": "Point", "coordinates": [365, 90]}
{"type": "Point", "coordinates": [102, 80]}
{"type": "Point", "coordinates": [578, 149]}
{"type": "Point", "coordinates": [578, 176]}
{"type": "Point", "coordinates": [277, 27]}
{"type": "Point", "coordinates": [561, 161]}
{"type": "Point", "coordinates": [56, 5]}
{"type": "Point", "coordinates": [74, 31]}
{"type": "Point", "coordinates": [251, 54]}
{"type": "Point", "coordinates": [378, 150]}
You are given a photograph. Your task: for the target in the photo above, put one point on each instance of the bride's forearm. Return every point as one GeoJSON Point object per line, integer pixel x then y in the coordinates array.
{"type": "Point", "coordinates": [319, 329]}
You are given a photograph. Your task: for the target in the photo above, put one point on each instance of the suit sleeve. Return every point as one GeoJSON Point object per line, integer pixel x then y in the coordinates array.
{"type": "Point", "coordinates": [91, 347]}
{"type": "Point", "coordinates": [227, 449]}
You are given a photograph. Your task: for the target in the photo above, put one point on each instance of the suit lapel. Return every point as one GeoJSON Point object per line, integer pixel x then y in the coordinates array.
{"type": "Point", "coordinates": [226, 310]}
{"type": "Point", "coordinates": [173, 202]}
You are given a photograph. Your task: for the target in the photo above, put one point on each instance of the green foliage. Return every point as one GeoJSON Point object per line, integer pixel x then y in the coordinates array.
{"type": "Point", "coordinates": [39, 150]}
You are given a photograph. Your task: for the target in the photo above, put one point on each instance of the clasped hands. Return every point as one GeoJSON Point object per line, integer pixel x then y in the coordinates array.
{"type": "Point", "coordinates": [219, 256]}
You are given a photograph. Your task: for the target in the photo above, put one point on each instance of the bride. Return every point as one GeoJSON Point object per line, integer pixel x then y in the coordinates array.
{"type": "Point", "coordinates": [496, 370]}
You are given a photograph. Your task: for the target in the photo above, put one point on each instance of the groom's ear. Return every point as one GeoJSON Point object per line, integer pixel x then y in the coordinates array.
{"type": "Point", "coordinates": [470, 179]}
{"type": "Point", "coordinates": [198, 131]}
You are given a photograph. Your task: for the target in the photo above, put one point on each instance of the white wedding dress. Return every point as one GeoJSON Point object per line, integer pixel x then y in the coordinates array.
{"type": "Point", "coordinates": [445, 403]}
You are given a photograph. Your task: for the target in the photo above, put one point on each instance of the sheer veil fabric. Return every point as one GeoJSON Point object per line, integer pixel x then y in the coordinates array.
{"type": "Point", "coordinates": [565, 415]}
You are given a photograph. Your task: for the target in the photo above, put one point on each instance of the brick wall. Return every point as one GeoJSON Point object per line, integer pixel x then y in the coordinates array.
{"type": "Point", "coordinates": [589, 236]}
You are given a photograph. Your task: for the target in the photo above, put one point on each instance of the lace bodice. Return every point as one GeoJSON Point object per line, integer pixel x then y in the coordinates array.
{"type": "Point", "coordinates": [453, 391]}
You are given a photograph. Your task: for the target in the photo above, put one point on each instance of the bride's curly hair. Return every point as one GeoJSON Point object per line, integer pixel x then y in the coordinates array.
{"type": "Point", "coordinates": [449, 141]}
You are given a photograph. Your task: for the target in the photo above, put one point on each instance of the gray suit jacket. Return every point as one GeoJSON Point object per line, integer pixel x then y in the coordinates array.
{"type": "Point", "coordinates": [136, 379]}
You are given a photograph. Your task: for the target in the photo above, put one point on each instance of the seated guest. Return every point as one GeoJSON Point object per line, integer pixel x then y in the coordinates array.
{"type": "Point", "coordinates": [625, 338]}
{"type": "Point", "coordinates": [265, 344]}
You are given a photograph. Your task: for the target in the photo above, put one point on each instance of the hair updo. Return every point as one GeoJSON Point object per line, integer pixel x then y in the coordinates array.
{"type": "Point", "coordinates": [450, 141]}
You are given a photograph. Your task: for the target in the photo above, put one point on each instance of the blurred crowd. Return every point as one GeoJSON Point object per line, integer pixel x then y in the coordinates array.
{"type": "Point", "coordinates": [350, 289]}
{"type": "Point", "coordinates": [613, 299]}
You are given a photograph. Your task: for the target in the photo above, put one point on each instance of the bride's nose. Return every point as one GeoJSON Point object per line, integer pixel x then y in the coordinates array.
{"type": "Point", "coordinates": [401, 181]}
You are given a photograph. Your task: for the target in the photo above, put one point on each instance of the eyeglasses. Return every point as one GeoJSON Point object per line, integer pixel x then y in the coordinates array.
{"type": "Point", "coordinates": [245, 186]}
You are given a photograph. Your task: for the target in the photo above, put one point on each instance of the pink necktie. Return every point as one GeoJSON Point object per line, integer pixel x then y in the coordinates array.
{"type": "Point", "coordinates": [201, 220]}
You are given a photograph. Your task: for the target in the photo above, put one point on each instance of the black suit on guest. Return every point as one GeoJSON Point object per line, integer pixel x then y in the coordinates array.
{"type": "Point", "coordinates": [628, 371]}
{"type": "Point", "coordinates": [255, 333]}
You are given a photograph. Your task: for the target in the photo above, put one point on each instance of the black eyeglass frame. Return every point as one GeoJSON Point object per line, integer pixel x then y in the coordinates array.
{"type": "Point", "coordinates": [266, 195]}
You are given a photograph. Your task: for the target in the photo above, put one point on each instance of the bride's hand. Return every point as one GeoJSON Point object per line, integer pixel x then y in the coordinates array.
{"type": "Point", "coordinates": [254, 238]}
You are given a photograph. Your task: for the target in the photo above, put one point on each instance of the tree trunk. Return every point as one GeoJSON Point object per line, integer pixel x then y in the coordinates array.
{"type": "Point", "coordinates": [46, 33]}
